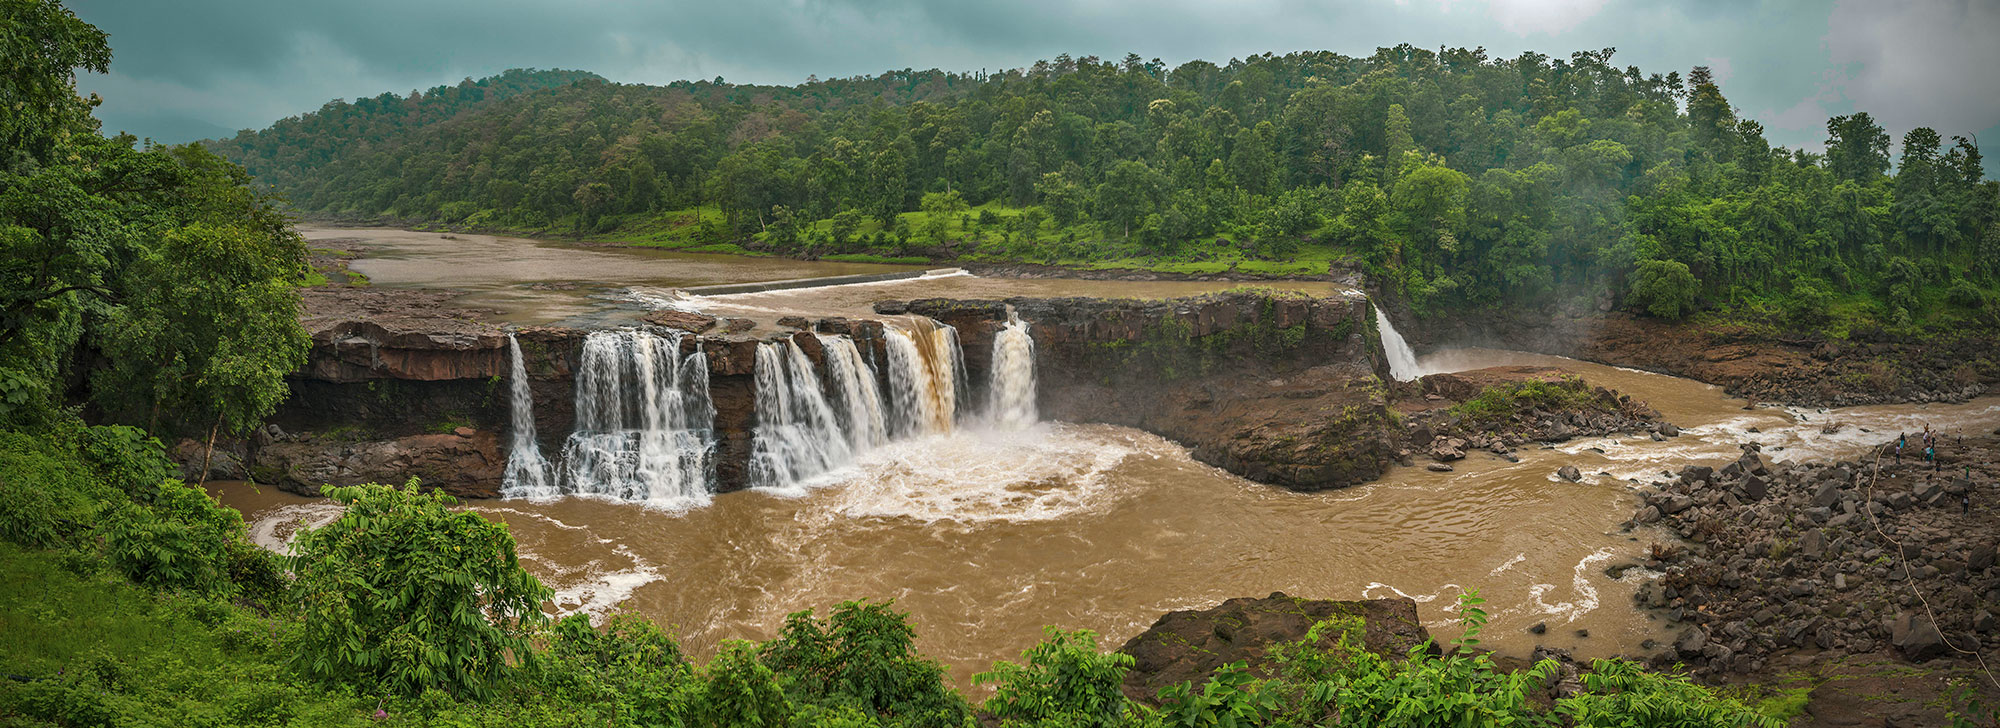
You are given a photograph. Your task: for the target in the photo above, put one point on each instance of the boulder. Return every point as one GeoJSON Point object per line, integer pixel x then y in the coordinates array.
{"type": "Point", "coordinates": [467, 467]}
{"type": "Point", "coordinates": [1916, 637]}
{"type": "Point", "coordinates": [688, 321]}
{"type": "Point", "coordinates": [1188, 645]}
{"type": "Point", "coordinates": [1569, 473]}
{"type": "Point", "coordinates": [1690, 642]}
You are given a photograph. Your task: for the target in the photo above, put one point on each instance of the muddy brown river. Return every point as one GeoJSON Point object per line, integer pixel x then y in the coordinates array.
{"type": "Point", "coordinates": [528, 281]}
{"type": "Point", "coordinates": [984, 537]}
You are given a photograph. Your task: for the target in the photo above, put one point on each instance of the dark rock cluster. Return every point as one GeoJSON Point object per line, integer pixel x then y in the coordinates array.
{"type": "Point", "coordinates": [1827, 557]}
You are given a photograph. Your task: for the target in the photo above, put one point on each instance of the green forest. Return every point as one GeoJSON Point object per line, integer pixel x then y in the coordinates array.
{"type": "Point", "coordinates": [1459, 180]}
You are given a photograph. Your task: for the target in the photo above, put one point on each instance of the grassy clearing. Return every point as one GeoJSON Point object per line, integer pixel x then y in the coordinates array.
{"type": "Point", "coordinates": [86, 647]}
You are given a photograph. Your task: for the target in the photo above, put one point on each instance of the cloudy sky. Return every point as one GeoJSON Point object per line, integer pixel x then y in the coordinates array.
{"type": "Point", "coordinates": [199, 68]}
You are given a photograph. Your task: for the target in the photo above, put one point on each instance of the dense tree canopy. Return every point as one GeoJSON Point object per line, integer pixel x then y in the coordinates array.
{"type": "Point", "coordinates": [1463, 179]}
{"type": "Point", "coordinates": [158, 267]}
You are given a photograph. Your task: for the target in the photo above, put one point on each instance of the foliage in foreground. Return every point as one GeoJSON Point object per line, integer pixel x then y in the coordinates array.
{"type": "Point", "coordinates": [166, 615]}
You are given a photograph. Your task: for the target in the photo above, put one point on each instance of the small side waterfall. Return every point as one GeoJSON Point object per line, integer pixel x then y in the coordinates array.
{"type": "Point", "coordinates": [1011, 389]}
{"type": "Point", "coordinates": [644, 421]}
{"type": "Point", "coordinates": [798, 436]}
{"type": "Point", "coordinates": [527, 473]}
{"type": "Point", "coordinates": [1402, 361]}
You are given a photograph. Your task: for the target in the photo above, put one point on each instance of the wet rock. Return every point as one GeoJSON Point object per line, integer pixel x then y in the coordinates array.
{"type": "Point", "coordinates": [737, 325]}
{"type": "Point", "coordinates": [1569, 473]}
{"type": "Point", "coordinates": [1674, 503]}
{"type": "Point", "coordinates": [228, 462]}
{"type": "Point", "coordinates": [1916, 637]}
{"type": "Point", "coordinates": [1539, 628]}
{"type": "Point", "coordinates": [464, 466]}
{"type": "Point", "coordinates": [688, 321]}
{"type": "Point", "coordinates": [796, 322]}
{"type": "Point", "coordinates": [1438, 468]}
{"type": "Point", "coordinates": [1668, 429]}
{"type": "Point", "coordinates": [1690, 642]}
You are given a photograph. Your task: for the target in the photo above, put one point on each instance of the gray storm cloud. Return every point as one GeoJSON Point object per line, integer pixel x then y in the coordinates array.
{"type": "Point", "coordinates": [188, 70]}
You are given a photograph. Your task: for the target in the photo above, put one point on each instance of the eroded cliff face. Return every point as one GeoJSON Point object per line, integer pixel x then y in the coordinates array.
{"type": "Point", "coordinates": [1280, 388]}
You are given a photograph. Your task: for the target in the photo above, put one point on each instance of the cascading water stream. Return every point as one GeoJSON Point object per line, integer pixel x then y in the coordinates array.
{"type": "Point", "coordinates": [527, 473]}
{"type": "Point", "coordinates": [798, 436]}
{"type": "Point", "coordinates": [644, 421]}
{"type": "Point", "coordinates": [1402, 361]}
{"type": "Point", "coordinates": [925, 372]}
{"type": "Point", "coordinates": [1010, 393]}
{"type": "Point", "coordinates": [857, 398]}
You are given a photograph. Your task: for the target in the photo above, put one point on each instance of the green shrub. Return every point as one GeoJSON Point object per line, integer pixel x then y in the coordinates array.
{"type": "Point", "coordinates": [182, 541]}
{"type": "Point", "coordinates": [401, 594]}
{"type": "Point", "coordinates": [125, 457]}
{"type": "Point", "coordinates": [862, 656]}
{"type": "Point", "coordinates": [47, 497]}
{"type": "Point", "coordinates": [1066, 682]}
{"type": "Point", "coordinates": [1964, 294]}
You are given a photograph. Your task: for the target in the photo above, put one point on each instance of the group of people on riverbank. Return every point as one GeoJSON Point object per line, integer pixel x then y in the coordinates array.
{"type": "Point", "coordinates": [1930, 440]}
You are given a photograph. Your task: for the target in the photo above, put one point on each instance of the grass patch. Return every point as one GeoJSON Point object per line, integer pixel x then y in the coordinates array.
{"type": "Point", "coordinates": [871, 258]}
{"type": "Point", "coordinates": [89, 648]}
{"type": "Point", "coordinates": [1500, 402]}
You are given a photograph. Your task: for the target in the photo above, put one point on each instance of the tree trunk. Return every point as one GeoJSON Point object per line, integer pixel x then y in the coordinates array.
{"type": "Point", "coordinates": [210, 452]}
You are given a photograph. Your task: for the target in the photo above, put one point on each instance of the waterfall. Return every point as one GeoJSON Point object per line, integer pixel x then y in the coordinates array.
{"type": "Point", "coordinates": [1010, 397]}
{"type": "Point", "coordinates": [925, 373]}
{"type": "Point", "coordinates": [852, 382]}
{"type": "Point", "coordinates": [527, 471]}
{"type": "Point", "coordinates": [644, 422]}
{"type": "Point", "coordinates": [797, 436]}
{"type": "Point", "coordinates": [1402, 361]}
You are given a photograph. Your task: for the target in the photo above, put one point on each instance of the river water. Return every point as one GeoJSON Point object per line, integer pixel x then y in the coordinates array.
{"type": "Point", "coordinates": [986, 535]}
{"type": "Point", "coordinates": [526, 281]}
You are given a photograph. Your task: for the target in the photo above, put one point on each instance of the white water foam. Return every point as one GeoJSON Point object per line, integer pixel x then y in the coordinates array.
{"type": "Point", "coordinates": [1584, 599]}
{"type": "Point", "coordinates": [1042, 473]}
{"type": "Point", "coordinates": [276, 529]}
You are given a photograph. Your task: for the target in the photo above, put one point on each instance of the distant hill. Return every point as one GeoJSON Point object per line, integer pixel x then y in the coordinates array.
{"type": "Point", "coordinates": [1460, 179]}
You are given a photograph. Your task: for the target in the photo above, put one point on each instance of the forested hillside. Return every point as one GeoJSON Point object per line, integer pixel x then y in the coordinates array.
{"type": "Point", "coordinates": [1467, 180]}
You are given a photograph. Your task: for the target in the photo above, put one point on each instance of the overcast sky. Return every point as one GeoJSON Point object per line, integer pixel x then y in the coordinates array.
{"type": "Point", "coordinates": [191, 69]}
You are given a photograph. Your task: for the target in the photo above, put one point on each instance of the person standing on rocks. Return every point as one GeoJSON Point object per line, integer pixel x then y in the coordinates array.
{"type": "Point", "coordinates": [1902, 439]}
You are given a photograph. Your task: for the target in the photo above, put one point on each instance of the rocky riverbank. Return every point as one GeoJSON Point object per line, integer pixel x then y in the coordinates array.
{"type": "Point", "coordinates": [1754, 362]}
{"type": "Point", "coordinates": [1820, 567]}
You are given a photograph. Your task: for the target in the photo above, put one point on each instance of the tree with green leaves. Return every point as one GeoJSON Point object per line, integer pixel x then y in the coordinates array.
{"type": "Point", "coordinates": [403, 594]}
{"type": "Point", "coordinates": [1664, 288]}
